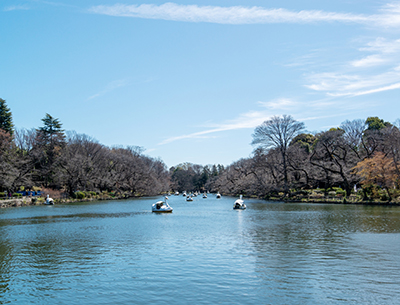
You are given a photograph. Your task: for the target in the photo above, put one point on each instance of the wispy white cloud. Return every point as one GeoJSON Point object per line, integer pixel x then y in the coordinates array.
{"type": "Point", "coordinates": [376, 90]}
{"type": "Point", "coordinates": [382, 45]}
{"type": "Point", "coordinates": [252, 119]}
{"type": "Point", "coordinates": [320, 109]}
{"type": "Point", "coordinates": [110, 87]}
{"type": "Point", "coordinates": [385, 52]}
{"type": "Point", "coordinates": [247, 120]}
{"type": "Point", "coordinates": [388, 16]}
{"type": "Point", "coordinates": [373, 73]}
{"type": "Point", "coordinates": [336, 84]}
{"type": "Point", "coordinates": [369, 61]}
{"type": "Point", "coordinates": [281, 104]}
{"type": "Point", "coordinates": [303, 60]}
{"type": "Point", "coordinates": [16, 8]}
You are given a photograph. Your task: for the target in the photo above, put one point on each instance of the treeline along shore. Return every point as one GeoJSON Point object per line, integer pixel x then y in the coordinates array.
{"type": "Point", "coordinates": [357, 162]}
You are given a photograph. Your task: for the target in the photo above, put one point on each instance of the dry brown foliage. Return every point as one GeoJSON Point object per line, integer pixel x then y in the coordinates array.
{"type": "Point", "coordinates": [55, 194]}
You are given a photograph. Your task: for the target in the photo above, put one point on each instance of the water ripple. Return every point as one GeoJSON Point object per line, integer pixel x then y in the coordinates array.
{"type": "Point", "coordinates": [202, 253]}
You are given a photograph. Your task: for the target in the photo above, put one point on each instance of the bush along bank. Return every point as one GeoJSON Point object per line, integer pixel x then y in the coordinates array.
{"type": "Point", "coordinates": [336, 195]}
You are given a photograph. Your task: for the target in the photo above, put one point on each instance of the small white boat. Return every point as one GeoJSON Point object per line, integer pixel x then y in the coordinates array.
{"type": "Point", "coordinates": [218, 195]}
{"type": "Point", "coordinates": [161, 207]}
{"type": "Point", "coordinates": [49, 201]}
{"type": "Point", "coordinates": [204, 195]}
{"type": "Point", "coordinates": [189, 198]}
{"type": "Point", "coordinates": [239, 204]}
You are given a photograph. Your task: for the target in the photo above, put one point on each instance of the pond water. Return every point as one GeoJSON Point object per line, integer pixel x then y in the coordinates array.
{"type": "Point", "coordinates": [119, 252]}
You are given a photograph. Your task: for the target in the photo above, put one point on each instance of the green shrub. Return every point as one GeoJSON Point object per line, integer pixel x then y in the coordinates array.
{"type": "Point", "coordinates": [341, 192]}
{"type": "Point", "coordinates": [79, 195]}
{"type": "Point", "coordinates": [383, 195]}
{"type": "Point", "coordinates": [90, 194]}
{"type": "Point", "coordinates": [301, 192]}
{"type": "Point", "coordinates": [17, 195]}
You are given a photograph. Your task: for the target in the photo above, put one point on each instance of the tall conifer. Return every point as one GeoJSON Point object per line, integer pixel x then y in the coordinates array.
{"type": "Point", "coordinates": [6, 118]}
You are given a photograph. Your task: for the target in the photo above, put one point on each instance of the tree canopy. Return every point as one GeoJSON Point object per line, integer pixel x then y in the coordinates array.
{"type": "Point", "coordinates": [375, 123]}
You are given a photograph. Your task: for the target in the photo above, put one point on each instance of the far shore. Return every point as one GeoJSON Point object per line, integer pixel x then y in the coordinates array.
{"type": "Point", "coordinates": [27, 201]}
{"type": "Point", "coordinates": [336, 201]}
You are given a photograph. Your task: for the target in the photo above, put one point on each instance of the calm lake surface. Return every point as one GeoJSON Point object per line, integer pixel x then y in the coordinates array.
{"type": "Point", "coordinates": [119, 252]}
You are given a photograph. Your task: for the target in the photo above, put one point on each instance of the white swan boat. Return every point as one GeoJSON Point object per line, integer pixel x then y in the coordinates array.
{"type": "Point", "coordinates": [218, 195]}
{"type": "Point", "coordinates": [239, 204]}
{"type": "Point", "coordinates": [189, 198]}
{"type": "Point", "coordinates": [49, 201]}
{"type": "Point", "coordinates": [161, 207]}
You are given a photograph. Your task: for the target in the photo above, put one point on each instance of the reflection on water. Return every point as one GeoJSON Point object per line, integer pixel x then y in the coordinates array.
{"type": "Point", "coordinates": [203, 253]}
{"type": "Point", "coordinates": [327, 253]}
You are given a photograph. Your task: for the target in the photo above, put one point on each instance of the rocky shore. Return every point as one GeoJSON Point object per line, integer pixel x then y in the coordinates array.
{"type": "Point", "coordinates": [25, 201]}
{"type": "Point", "coordinates": [6, 203]}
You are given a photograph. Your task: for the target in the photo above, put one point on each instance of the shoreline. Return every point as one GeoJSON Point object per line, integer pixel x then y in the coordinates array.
{"type": "Point", "coordinates": [16, 202]}
{"type": "Point", "coordinates": [27, 201]}
{"type": "Point", "coordinates": [337, 201]}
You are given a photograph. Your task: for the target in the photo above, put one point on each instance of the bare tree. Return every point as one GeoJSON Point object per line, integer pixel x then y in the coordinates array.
{"type": "Point", "coordinates": [332, 154]}
{"type": "Point", "coordinates": [354, 136]}
{"type": "Point", "coordinates": [81, 164]}
{"type": "Point", "coordinates": [267, 176]}
{"type": "Point", "coordinates": [25, 139]}
{"type": "Point", "coordinates": [391, 145]}
{"type": "Point", "coordinates": [278, 132]}
{"type": "Point", "coordinates": [237, 178]}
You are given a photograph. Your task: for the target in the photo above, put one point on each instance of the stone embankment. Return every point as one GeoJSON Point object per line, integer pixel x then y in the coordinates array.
{"type": "Point", "coordinates": [19, 202]}
{"type": "Point", "coordinates": [16, 202]}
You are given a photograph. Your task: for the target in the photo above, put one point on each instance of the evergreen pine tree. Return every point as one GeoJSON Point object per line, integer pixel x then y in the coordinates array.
{"type": "Point", "coordinates": [6, 118]}
{"type": "Point", "coordinates": [49, 146]}
{"type": "Point", "coordinates": [52, 132]}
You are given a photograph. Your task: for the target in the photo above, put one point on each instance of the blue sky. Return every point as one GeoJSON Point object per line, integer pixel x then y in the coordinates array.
{"type": "Point", "coordinates": [190, 80]}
